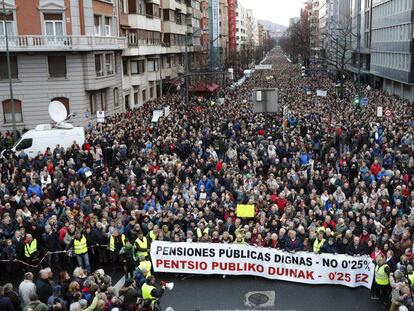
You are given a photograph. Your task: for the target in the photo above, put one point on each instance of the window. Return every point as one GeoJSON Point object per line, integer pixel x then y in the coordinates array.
{"type": "Point", "coordinates": [125, 67]}
{"type": "Point", "coordinates": [108, 26]}
{"type": "Point", "coordinates": [124, 6]}
{"type": "Point", "coordinates": [53, 24]}
{"type": "Point", "coordinates": [98, 101]}
{"type": "Point", "coordinates": [7, 111]}
{"type": "Point", "coordinates": [136, 98]}
{"type": "Point", "coordinates": [97, 25]}
{"type": "Point", "coordinates": [102, 103]}
{"type": "Point", "coordinates": [152, 64]}
{"type": "Point", "coordinates": [109, 64]}
{"type": "Point", "coordinates": [92, 103]}
{"type": "Point", "coordinates": [144, 95]}
{"type": "Point", "coordinates": [151, 92]}
{"type": "Point", "coordinates": [6, 24]}
{"type": "Point", "coordinates": [116, 97]}
{"type": "Point", "coordinates": [98, 65]}
{"type": "Point", "coordinates": [4, 69]}
{"type": "Point", "coordinates": [57, 66]}
{"type": "Point", "coordinates": [64, 101]}
{"type": "Point", "coordinates": [126, 101]}
{"type": "Point", "coordinates": [24, 144]}
{"type": "Point", "coordinates": [137, 66]}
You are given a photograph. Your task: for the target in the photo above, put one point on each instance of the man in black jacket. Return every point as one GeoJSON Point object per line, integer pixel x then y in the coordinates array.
{"type": "Point", "coordinates": [51, 244]}
{"type": "Point", "coordinates": [43, 286]}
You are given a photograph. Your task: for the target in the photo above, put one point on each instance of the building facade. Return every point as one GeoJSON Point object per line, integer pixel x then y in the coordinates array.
{"type": "Point", "coordinates": [224, 31]}
{"type": "Point", "coordinates": [241, 37]}
{"type": "Point", "coordinates": [392, 48]}
{"type": "Point", "coordinates": [60, 50]}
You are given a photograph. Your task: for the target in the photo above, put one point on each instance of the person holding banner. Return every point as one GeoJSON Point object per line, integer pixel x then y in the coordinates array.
{"type": "Point", "coordinates": [293, 244]}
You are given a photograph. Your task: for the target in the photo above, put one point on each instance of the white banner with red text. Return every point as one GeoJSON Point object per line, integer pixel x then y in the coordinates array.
{"type": "Point", "coordinates": [236, 259]}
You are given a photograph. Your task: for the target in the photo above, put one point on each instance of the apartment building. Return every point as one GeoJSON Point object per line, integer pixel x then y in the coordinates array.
{"type": "Point", "coordinates": [241, 32]}
{"type": "Point", "coordinates": [60, 50]}
{"type": "Point", "coordinates": [157, 32]}
{"type": "Point", "coordinates": [224, 30]}
{"type": "Point", "coordinates": [314, 28]}
{"type": "Point", "coordinates": [252, 30]}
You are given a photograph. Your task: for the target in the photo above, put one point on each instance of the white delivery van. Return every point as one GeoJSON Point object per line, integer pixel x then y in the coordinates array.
{"type": "Point", "coordinates": [44, 135]}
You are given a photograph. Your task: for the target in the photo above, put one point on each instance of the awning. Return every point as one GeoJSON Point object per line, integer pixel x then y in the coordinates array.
{"type": "Point", "coordinates": [202, 87]}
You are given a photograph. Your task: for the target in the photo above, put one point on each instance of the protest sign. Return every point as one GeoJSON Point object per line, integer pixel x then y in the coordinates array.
{"type": "Point", "coordinates": [245, 210]}
{"type": "Point", "coordinates": [239, 259]}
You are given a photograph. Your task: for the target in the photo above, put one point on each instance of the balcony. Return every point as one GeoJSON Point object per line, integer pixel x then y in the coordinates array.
{"type": "Point", "coordinates": [61, 43]}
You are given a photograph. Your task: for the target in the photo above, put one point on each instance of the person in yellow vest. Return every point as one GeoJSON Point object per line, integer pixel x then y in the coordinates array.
{"type": "Point", "coordinates": [381, 286]}
{"type": "Point", "coordinates": [80, 248]}
{"type": "Point", "coordinates": [31, 253]}
{"type": "Point", "coordinates": [150, 293]}
{"type": "Point", "coordinates": [152, 234]}
{"type": "Point", "coordinates": [142, 245]}
{"type": "Point", "coordinates": [144, 263]}
{"type": "Point", "coordinates": [201, 230]}
{"type": "Point", "coordinates": [116, 242]}
{"type": "Point", "coordinates": [319, 242]}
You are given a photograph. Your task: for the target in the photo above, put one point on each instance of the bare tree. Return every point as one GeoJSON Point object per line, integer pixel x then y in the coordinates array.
{"type": "Point", "coordinates": [339, 51]}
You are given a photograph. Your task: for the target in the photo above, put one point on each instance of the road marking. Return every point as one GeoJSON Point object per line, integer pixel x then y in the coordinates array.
{"type": "Point", "coordinates": [120, 283]}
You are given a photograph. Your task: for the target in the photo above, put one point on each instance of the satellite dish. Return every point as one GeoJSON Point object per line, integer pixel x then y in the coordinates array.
{"type": "Point", "coordinates": [57, 111]}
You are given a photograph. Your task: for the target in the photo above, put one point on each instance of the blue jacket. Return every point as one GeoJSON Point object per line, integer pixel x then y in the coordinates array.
{"type": "Point", "coordinates": [208, 186]}
{"type": "Point", "coordinates": [36, 189]}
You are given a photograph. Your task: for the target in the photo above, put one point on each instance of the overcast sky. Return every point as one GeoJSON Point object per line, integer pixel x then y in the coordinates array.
{"type": "Point", "coordinates": [278, 11]}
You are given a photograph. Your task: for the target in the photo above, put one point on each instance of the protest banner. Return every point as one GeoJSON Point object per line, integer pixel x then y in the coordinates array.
{"type": "Point", "coordinates": [237, 259]}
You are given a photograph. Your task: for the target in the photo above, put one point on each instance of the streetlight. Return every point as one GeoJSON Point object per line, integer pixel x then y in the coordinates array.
{"type": "Point", "coordinates": [359, 54]}
{"type": "Point", "coordinates": [9, 74]}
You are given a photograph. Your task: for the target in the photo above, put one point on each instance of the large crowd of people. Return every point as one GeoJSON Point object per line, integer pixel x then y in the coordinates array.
{"type": "Point", "coordinates": [324, 177]}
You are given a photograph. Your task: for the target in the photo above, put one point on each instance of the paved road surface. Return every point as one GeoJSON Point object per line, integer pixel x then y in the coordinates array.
{"type": "Point", "coordinates": [216, 294]}
{"type": "Point", "coordinates": [213, 293]}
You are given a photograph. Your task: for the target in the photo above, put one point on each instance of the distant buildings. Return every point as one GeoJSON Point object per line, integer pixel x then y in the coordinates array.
{"type": "Point", "coordinates": [386, 34]}
{"type": "Point", "coordinates": [110, 55]}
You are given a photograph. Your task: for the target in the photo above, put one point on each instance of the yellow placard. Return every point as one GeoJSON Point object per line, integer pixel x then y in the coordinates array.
{"type": "Point", "coordinates": [245, 210]}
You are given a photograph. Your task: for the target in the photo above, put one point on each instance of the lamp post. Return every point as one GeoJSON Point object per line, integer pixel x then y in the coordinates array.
{"type": "Point", "coordinates": [359, 54]}
{"type": "Point", "coordinates": [9, 74]}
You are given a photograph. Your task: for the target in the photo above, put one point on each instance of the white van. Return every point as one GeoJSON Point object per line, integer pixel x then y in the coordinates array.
{"type": "Point", "coordinates": [36, 141]}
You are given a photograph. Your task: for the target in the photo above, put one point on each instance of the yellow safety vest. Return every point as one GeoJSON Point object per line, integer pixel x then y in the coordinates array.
{"type": "Point", "coordinates": [112, 242]}
{"type": "Point", "coordinates": [411, 278]}
{"type": "Point", "coordinates": [30, 248]}
{"type": "Point", "coordinates": [147, 265]}
{"type": "Point", "coordinates": [80, 247]}
{"type": "Point", "coordinates": [152, 235]}
{"type": "Point", "coordinates": [381, 277]}
{"type": "Point", "coordinates": [142, 244]}
{"type": "Point", "coordinates": [317, 245]}
{"type": "Point", "coordinates": [146, 292]}
{"type": "Point", "coordinates": [200, 233]}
